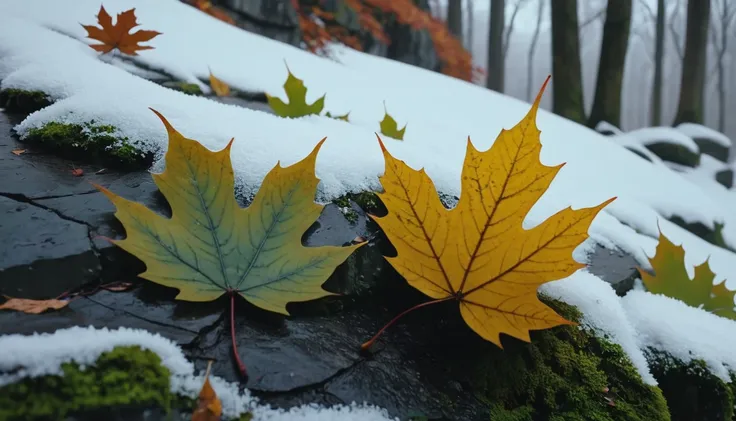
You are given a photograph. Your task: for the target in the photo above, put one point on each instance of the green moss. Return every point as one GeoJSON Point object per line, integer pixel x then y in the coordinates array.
{"type": "Point", "coordinates": [693, 393]}
{"type": "Point", "coordinates": [187, 88]}
{"type": "Point", "coordinates": [92, 142]}
{"type": "Point", "coordinates": [124, 377]}
{"type": "Point", "coordinates": [21, 101]}
{"type": "Point", "coordinates": [566, 374]}
{"type": "Point", "coordinates": [368, 201]}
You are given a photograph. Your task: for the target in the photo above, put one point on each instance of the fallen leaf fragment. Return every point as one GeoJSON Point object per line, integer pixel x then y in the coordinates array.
{"type": "Point", "coordinates": [344, 117]}
{"type": "Point", "coordinates": [671, 279]}
{"type": "Point", "coordinates": [389, 126]}
{"type": "Point", "coordinates": [32, 306]}
{"type": "Point", "coordinates": [118, 36]}
{"type": "Point", "coordinates": [18, 152]}
{"type": "Point", "coordinates": [478, 253]}
{"type": "Point", "coordinates": [209, 407]}
{"type": "Point", "coordinates": [297, 106]}
{"type": "Point", "coordinates": [77, 172]}
{"type": "Point", "coordinates": [221, 88]}
{"type": "Point", "coordinates": [211, 246]}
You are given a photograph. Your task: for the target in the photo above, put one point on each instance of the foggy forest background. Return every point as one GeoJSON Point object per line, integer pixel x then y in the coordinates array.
{"type": "Point", "coordinates": [525, 69]}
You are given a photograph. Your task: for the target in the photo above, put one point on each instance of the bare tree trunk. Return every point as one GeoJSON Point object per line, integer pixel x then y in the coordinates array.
{"type": "Point", "coordinates": [495, 66]}
{"type": "Point", "coordinates": [692, 85]}
{"type": "Point", "coordinates": [656, 111]}
{"type": "Point", "coordinates": [567, 80]}
{"type": "Point", "coordinates": [532, 50]}
{"type": "Point", "coordinates": [727, 13]}
{"type": "Point", "coordinates": [607, 101]}
{"type": "Point", "coordinates": [455, 18]}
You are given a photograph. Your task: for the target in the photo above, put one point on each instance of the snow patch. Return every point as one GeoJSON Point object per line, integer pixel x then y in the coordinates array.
{"type": "Point", "coordinates": [602, 312]}
{"type": "Point", "coordinates": [43, 354]}
{"type": "Point", "coordinates": [695, 131]}
{"type": "Point", "coordinates": [687, 333]}
{"type": "Point", "coordinates": [651, 135]}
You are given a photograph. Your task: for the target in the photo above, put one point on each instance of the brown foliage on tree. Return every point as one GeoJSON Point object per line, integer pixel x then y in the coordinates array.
{"type": "Point", "coordinates": [320, 27]}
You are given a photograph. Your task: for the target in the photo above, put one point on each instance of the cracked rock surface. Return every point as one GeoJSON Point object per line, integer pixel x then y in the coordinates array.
{"type": "Point", "coordinates": [54, 224]}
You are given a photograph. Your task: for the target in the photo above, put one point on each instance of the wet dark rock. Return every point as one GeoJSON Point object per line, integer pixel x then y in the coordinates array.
{"type": "Point", "coordinates": [245, 101]}
{"type": "Point", "coordinates": [710, 147]}
{"type": "Point", "coordinates": [42, 254]}
{"type": "Point", "coordinates": [713, 236]}
{"type": "Point", "coordinates": [672, 152]}
{"type": "Point", "coordinates": [725, 177]}
{"type": "Point", "coordinates": [275, 19]}
{"type": "Point", "coordinates": [143, 308]}
{"type": "Point", "coordinates": [613, 266]}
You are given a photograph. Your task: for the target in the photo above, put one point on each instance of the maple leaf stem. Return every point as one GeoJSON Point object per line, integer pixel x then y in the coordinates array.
{"type": "Point", "coordinates": [371, 341]}
{"type": "Point", "coordinates": [241, 366]}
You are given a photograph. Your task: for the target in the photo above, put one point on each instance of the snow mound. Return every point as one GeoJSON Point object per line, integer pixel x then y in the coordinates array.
{"type": "Point", "coordinates": [696, 131]}
{"type": "Point", "coordinates": [602, 312]}
{"type": "Point", "coordinates": [687, 333]}
{"type": "Point", "coordinates": [650, 135]}
{"type": "Point", "coordinates": [604, 126]}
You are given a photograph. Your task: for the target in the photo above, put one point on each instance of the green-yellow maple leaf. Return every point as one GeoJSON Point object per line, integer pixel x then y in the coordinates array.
{"type": "Point", "coordinates": [671, 279]}
{"type": "Point", "coordinates": [296, 92]}
{"type": "Point", "coordinates": [211, 246]}
{"type": "Point", "coordinates": [390, 128]}
{"type": "Point", "coordinates": [339, 117]}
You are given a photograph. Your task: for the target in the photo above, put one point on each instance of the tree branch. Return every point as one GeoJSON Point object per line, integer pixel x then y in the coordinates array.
{"type": "Point", "coordinates": [510, 27]}
{"type": "Point", "coordinates": [679, 49]}
{"type": "Point", "coordinates": [593, 18]}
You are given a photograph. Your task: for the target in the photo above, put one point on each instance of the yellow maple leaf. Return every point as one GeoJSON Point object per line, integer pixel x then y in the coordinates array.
{"type": "Point", "coordinates": [478, 253]}
{"type": "Point", "coordinates": [219, 87]}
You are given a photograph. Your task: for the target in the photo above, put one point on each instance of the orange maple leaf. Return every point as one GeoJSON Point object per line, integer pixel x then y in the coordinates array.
{"type": "Point", "coordinates": [118, 36]}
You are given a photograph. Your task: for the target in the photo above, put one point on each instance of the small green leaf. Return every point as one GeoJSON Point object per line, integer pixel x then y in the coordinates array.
{"type": "Point", "coordinates": [296, 92]}
{"type": "Point", "coordinates": [339, 117]}
{"type": "Point", "coordinates": [671, 279]}
{"type": "Point", "coordinates": [390, 128]}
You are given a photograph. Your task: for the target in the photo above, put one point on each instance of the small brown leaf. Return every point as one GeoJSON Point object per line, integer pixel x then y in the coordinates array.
{"type": "Point", "coordinates": [32, 306]}
{"type": "Point", "coordinates": [18, 152]}
{"type": "Point", "coordinates": [209, 407]}
{"type": "Point", "coordinates": [77, 172]}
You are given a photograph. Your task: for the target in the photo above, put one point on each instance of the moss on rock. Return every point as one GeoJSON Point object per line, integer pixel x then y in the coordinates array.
{"type": "Point", "coordinates": [567, 374]}
{"type": "Point", "coordinates": [22, 101]}
{"type": "Point", "coordinates": [368, 201]}
{"type": "Point", "coordinates": [693, 393]}
{"type": "Point", "coordinates": [91, 142]}
{"type": "Point", "coordinates": [124, 377]}
{"type": "Point", "coordinates": [187, 88]}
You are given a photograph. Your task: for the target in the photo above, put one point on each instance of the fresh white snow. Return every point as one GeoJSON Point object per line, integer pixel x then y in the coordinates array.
{"type": "Point", "coordinates": [687, 333]}
{"type": "Point", "coordinates": [43, 354]}
{"type": "Point", "coordinates": [695, 131]}
{"type": "Point", "coordinates": [651, 135]}
{"type": "Point", "coordinates": [42, 47]}
{"type": "Point", "coordinates": [606, 126]}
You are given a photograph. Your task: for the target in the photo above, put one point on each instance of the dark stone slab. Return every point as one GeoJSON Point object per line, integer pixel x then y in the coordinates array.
{"type": "Point", "coordinates": [144, 308]}
{"type": "Point", "coordinates": [615, 267]}
{"type": "Point", "coordinates": [674, 153]}
{"type": "Point", "coordinates": [42, 255]}
{"type": "Point", "coordinates": [725, 177]}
